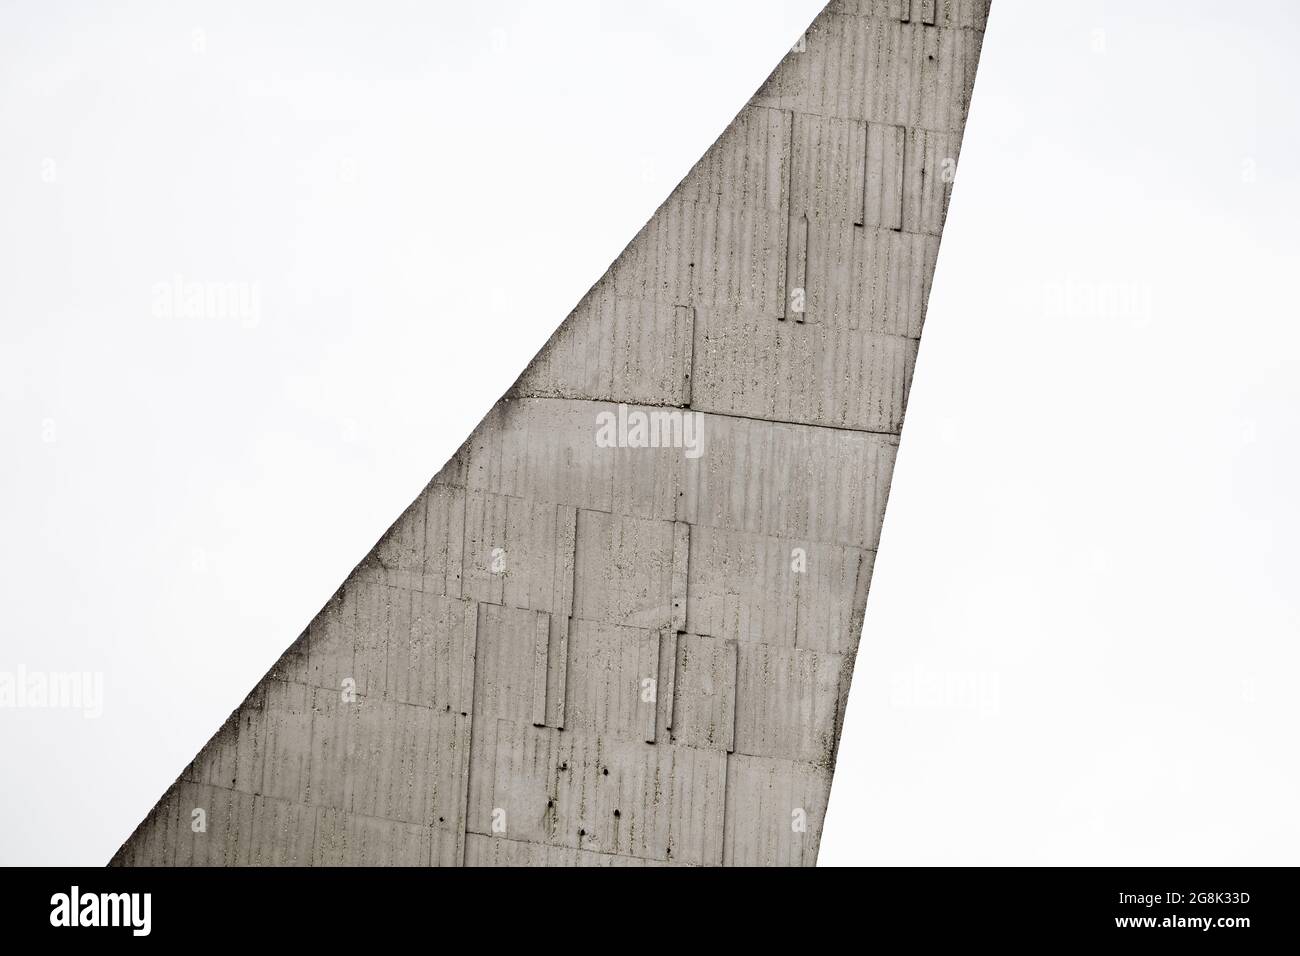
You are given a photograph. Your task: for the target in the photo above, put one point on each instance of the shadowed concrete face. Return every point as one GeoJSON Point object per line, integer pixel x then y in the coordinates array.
{"type": "Point", "coordinates": [618, 627]}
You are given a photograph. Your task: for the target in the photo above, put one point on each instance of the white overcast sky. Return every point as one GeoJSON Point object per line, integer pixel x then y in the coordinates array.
{"type": "Point", "coordinates": [1082, 632]}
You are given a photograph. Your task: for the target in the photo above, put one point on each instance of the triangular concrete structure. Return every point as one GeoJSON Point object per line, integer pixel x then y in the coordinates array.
{"type": "Point", "coordinates": [619, 626]}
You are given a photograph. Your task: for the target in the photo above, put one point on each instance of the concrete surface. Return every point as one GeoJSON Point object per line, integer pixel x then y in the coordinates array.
{"type": "Point", "coordinates": [618, 627]}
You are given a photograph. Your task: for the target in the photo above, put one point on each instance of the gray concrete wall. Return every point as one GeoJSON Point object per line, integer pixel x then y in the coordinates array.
{"type": "Point", "coordinates": [565, 653]}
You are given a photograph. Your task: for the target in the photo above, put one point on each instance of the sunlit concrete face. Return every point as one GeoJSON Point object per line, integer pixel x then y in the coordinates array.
{"type": "Point", "coordinates": [619, 626]}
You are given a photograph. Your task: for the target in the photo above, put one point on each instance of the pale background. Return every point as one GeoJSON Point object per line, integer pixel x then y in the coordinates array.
{"type": "Point", "coordinates": [1082, 631]}
{"type": "Point", "coordinates": [420, 191]}
{"type": "Point", "coordinates": [1082, 638]}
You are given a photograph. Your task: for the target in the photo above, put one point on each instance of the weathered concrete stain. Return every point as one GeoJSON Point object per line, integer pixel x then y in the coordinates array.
{"type": "Point", "coordinates": [618, 627]}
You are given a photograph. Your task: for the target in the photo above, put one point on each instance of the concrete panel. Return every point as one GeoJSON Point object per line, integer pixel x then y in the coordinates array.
{"type": "Point", "coordinates": [386, 759]}
{"type": "Point", "coordinates": [505, 668]}
{"type": "Point", "coordinates": [402, 546]}
{"type": "Point", "coordinates": [681, 574]}
{"type": "Point", "coordinates": [810, 373]}
{"type": "Point", "coordinates": [929, 168]}
{"type": "Point", "coordinates": [742, 586]}
{"type": "Point", "coordinates": [510, 550]}
{"type": "Point", "coordinates": [238, 829]}
{"type": "Point", "coordinates": [749, 164]}
{"type": "Point", "coordinates": [608, 667]}
{"type": "Point", "coordinates": [900, 10]}
{"type": "Point", "coordinates": [878, 68]}
{"type": "Point", "coordinates": [827, 176]}
{"type": "Point", "coordinates": [543, 450]}
{"type": "Point", "coordinates": [573, 649]}
{"type": "Point", "coordinates": [972, 14]}
{"type": "Point", "coordinates": [217, 763]}
{"type": "Point", "coordinates": [707, 253]}
{"type": "Point", "coordinates": [243, 830]}
{"type": "Point", "coordinates": [383, 614]}
{"type": "Point", "coordinates": [444, 539]}
{"type": "Point", "coordinates": [734, 481]}
{"type": "Point", "coordinates": [349, 839]}
{"type": "Point", "coordinates": [666, 687]}
{"type": "Point", "coordinates": [566, 538]}
{"type": "Point", "coordinates": [331, 642]}
{"type": "Point", "coordinates": [260, 748]}
{"type": "Point", "coordinates": [506, 683]}
{"type": "Point", "coordinates": [624, 570]}
{"type": "Point", "coordinates": [783, 591]}
{"type": "Point", "coordinates": [422, 550]}
{"type": "Point", "coordinates": [286, 726]}
{"type": "Point", "coordinates": [870, 278]}
{"type": "Point", "coordinates": [228, 818]}
{"type": "Point", "coordinates": [294, 665]}
{"type": "Point", "coordinates": [882, 186]}
{"type": "Point", "coordinates": [483, 850]}
{"type": "Point", "coordinates": [611, 348]}
{"type": "Point", "coordinates": [283, 833]}
{"type": "Point", "coordinates": [889, 285]}
{"type": "Point", "coordinates": [832, 595]}
{"type": "Point", "coordinates": [704, 692]}
{"type": "Point", "coordinates": [654, 801]}
{"type": "Point", "coordinates": [155, 840]}
{"type": "Point", "coordinates": [787, 702]}
{"type": "Point", "coordinates": [790, 480]}
{"type": "Point", "coordinates": [775, 810]}
{"type": "Point", "coordinates": [431, 663]}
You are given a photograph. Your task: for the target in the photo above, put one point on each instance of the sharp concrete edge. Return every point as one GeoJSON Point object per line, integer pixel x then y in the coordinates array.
{"type": "Point", "coordinates": [618, 627]}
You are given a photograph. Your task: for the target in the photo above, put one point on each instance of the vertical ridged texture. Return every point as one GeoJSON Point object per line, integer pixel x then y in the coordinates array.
{"type": "Point", "coordinates": [575, 650]}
